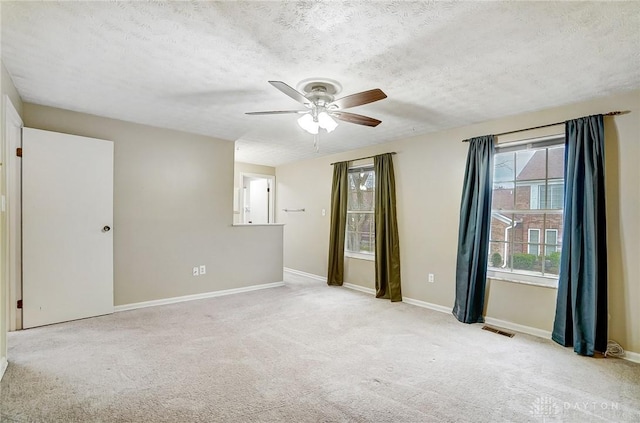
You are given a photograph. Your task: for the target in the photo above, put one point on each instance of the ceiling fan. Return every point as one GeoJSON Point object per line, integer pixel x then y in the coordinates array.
{"type": "Point", "coordinates": [318, 97]}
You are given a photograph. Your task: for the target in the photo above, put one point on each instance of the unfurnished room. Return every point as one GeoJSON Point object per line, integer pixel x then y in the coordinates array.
{"type": "Point", "coordinates": [319, 211]}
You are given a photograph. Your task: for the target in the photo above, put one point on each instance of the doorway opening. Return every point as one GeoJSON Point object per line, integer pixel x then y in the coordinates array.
{"type": "Point", "coordinates": [257, 198]}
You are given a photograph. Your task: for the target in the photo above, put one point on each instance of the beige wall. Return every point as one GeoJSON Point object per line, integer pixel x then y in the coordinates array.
{"type": "Point", "coordinates": [173, 196]}
{"type": "Point", "coordinates": [238, 169]}
{"type": "Point", "coordinates": [6, 88]}
{"type": "Point", "coordinates": [429, 173]}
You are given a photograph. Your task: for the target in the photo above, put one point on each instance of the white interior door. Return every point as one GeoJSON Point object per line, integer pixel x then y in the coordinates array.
{"type": "Point", "coordinates": [67, 214]}
{"type": "Point", "coordinates": [259, 200]}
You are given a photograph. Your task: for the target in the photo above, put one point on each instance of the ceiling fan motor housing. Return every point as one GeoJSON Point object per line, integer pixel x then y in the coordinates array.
{"type": "Point", "coordinates": [320, 91]}
{"type": "Point", "coordinates": [319, 96]}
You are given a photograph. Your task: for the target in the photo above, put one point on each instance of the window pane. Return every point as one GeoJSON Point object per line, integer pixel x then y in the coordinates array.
{"type": "Point", "coordinates": [500, 226]}
{"type": "Point", "coordinates": [551, 251]}
{"type": "Point", "coordinates": [552, 195]}
{"type": "Point", "coordinates": [523, 259]}
{"type": "Point", "coordinates": [552, 263]}
{"type": "Point", "coordinates": [360, 232]}
{"type": "Point", "coordinates": [504, 167]}
{"type": "Point", "coordinates": [555, 196]}
{"type": "Point", "coordinates": [497, 255]}
{"type": "Point", "coordinates": [527, 239]}
{"type": "Point", "coordinates": [503, 198]}
{"type": "Point", "coordinates": [534, 235]}
{"type": "Point", "coordinates": [551, 236]}
{"type": "Point", "coordinates": [531, 165]}
{"type": "Point", "coordinates": [524, 199]}
{"type": "Point", "coordinates": [556, 163]}
{"type": "Point", "coordinates": [534, 242]}
{"type": "Point", "coordinates": [553, 225]}
{"type": "Point", "coordinates": [361, 190]}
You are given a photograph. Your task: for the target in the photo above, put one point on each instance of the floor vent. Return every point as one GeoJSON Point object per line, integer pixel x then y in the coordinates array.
{"type": "Point", "coordinates": [498, 331]}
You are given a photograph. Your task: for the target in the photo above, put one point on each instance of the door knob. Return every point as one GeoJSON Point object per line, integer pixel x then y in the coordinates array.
{"type": "Point", "coordinates": [106, 229]}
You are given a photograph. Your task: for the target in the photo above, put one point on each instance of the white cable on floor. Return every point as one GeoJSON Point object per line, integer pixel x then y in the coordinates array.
{"type": "Point", "coordinates": [614, 350]}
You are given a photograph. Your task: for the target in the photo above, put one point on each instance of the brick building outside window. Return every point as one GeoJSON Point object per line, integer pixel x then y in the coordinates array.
{"type": "Point", "coordinates": [526, 212]}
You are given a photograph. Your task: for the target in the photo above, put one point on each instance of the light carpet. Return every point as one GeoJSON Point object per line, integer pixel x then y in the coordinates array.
{"type": "Point", "coordinates": [304, 352]}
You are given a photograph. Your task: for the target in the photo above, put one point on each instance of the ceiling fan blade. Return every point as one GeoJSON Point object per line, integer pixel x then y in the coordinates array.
{"type": "Point", "coordinates": [291, 92]}
{"type": "Point", "coordinates": [357, 119]}
{"type": "Point", "coordinates": [277, 112]}
{"type": "Point", "coordinates": [359, 99]}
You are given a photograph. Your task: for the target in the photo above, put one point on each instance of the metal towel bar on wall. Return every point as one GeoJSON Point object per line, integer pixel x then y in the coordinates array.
{"type": "Point", "coordinates": [292, 210]}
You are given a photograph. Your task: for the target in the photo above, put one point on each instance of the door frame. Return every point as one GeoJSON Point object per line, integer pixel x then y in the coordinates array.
{"type": "Point", "coordinates": [13, 217]}
{"type": "Point", "coordinates": [271, 183]}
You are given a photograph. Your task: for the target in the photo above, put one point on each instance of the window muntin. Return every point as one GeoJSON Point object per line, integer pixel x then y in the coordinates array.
{"type": "Point", "coordinates": [360, 231]}
{"type": "Point", "coordinates": [526, 214]}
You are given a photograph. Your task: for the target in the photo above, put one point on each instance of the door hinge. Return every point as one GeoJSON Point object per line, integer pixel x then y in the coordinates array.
{"type": "Point", "coordinates": [19, 303]}
{"type": "Point", "coordinates": [268, 189]}
{"type": "Point", "coordinates": [19, 152]}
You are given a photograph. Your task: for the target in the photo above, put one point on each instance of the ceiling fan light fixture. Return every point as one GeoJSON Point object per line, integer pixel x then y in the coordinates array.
{"type": "Point", "coordinates": [327, 122]}
{"type": "Point", "coordinates": [307, 123]}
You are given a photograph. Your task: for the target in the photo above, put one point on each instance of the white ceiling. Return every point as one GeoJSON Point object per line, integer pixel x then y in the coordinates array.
{"type": "Point", "coordinates": [198, 66]}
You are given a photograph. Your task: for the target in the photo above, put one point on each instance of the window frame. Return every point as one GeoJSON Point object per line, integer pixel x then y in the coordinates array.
{"type": "Point", "coordinates": [545, 280]}
{"type": "Point", "coordinates": [361, 255]}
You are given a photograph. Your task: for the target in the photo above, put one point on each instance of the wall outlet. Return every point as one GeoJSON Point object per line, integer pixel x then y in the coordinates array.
{"type": "Point", "coordinates": [432, 278]}
{"type": "Point", "coordinates": [196, 271]}
{"type": "Point", "coordinates": [203, 269]}
{"type": "Point", "coordinates": [324, 212]}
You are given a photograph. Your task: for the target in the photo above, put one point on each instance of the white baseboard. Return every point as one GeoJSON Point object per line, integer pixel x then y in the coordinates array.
{"type": "Point", "coordinates": [431, 306]}
{"type": "Point", "coordinates": [518, 328]}
{"type": "Point", "coordinates": [305, 274]}
{"type": "Point", "coordinates": [632, 356]}
{"type": "Point", "coordinates": [359, 288]}
{"type": "Point", "coordinates": [204, 295]}
{"type": "Point", "coordinates": [3, 366]}
{"type": "Point", "coordinates": [407, 300]}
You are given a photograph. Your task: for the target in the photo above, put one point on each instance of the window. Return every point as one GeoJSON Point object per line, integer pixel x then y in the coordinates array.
{"type": "Point", "coordinates": [534, 239]}
{"type": "Point", "coordinates": [551, 237]}
{"type": "Point", "coordinates": [360, 233]}
{"type": "Point", "coordinates": [526, 212]}
{"type": "Point", "coordinates": [539, 198]}
{"type": "Point", "coordinates": [555, 199]}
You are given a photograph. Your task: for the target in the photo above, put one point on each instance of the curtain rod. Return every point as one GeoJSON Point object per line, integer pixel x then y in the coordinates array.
{"type": "Point", "coordinates": [362, 158]}
{"type": "Point", "coordinates": [548, 125]}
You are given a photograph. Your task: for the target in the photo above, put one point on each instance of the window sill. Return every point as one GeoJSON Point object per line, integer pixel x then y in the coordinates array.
{"type": "Point", "coordinates": [542, 281]}
{"type": "Point", "coordinates": [360, 256]}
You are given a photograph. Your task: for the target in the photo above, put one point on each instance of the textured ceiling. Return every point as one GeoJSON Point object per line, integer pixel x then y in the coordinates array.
{"type": "Point", "coordinates": [198, 66]}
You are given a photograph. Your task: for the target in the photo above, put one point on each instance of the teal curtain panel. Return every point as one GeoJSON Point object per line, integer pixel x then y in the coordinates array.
{"type": "Point", "coordinates": [473, 235]}
{"type": "Point", "coordinates": [581, 309]}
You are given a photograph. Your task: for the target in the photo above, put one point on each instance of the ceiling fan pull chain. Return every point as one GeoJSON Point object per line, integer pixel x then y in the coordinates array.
{"type": "Point", "coordinates": [316, 142]}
